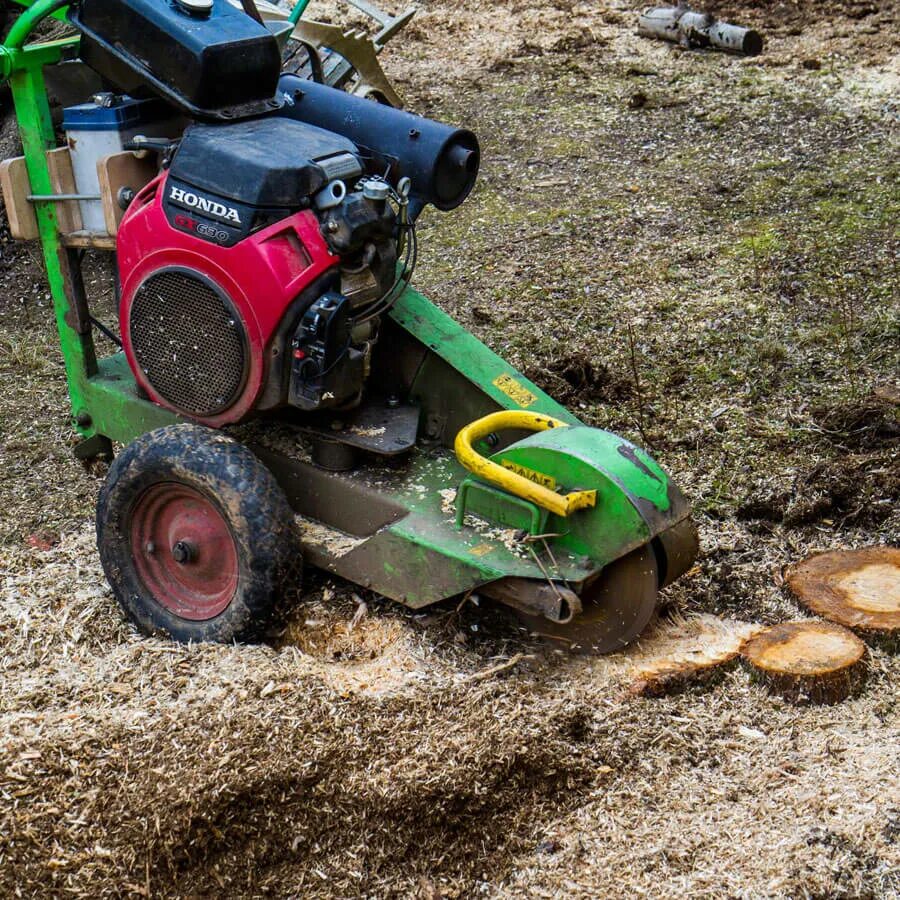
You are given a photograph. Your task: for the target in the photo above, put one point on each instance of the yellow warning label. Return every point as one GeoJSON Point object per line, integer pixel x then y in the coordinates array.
{"type": "Point", "coordinates": [548, 481]}
{"type": "Point", "coordinates": [513, 389]}
{"type": "Point", "coordinates": [481, 550]}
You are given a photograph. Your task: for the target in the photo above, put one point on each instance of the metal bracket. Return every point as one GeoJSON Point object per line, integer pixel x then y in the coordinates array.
{"type": "Point", "coordinates": [535, 598]}
{"type": "Point", "coordinates": [374, 427]}
{"type": "Point", "coordinates": [97, 445]}
{"type": "Point", "coordinates": [390, 25]}
{"type": "Point", "coordinates": [497, 499]}
{"type": "Point", "coordinates": [347, 52]}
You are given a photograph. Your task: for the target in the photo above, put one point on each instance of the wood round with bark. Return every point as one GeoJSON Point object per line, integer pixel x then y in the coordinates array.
{"type": "Point", "coordinates": [813, 661]}
{"type": "Point", "coordinates": [677, 676]}
{"type": "Point", "coordinates": [859, 589]}
{"type": "Point", "coordinates": [679, 655]}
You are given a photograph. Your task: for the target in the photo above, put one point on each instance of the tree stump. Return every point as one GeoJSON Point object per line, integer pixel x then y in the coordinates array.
{"type": "Point", "coordinates": [661, 680]}
{"type": "Point", "coordinates": [681, 654]}
{"type": "Point", "coordinates": [818, 662]}
{"type": "Point", "coordinates": [859, 589]}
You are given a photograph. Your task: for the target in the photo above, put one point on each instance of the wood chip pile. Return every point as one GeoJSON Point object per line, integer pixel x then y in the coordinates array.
{"type": "Point", "coordinates": [374, 757]}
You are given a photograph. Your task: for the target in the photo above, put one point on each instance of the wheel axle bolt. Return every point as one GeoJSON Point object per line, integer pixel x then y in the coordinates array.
{"type": "Point", "coordinates": [182, 552]}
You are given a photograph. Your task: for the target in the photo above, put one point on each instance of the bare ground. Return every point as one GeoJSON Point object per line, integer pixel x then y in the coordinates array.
{"type": "Point", "coordinates": [694, 250]}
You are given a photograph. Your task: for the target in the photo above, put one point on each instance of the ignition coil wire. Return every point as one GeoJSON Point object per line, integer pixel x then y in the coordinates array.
{"type": "Point", "coordinates": [404, 276]}
{"type": "Point", "coordinates": [407, 244]}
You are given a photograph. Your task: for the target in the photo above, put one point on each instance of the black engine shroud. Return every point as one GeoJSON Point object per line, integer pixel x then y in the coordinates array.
{"type": "Point", "coordinates": [246, 175]}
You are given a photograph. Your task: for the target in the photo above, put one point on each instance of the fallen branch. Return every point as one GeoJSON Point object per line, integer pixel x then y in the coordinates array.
{"type": "Point", "coordinates": [500, 667]}
{"type": "Point", "coordinates": [682, 25]}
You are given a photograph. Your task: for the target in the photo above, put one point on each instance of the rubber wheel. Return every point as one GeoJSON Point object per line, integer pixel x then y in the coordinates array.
{"type": "Point", "coordinates": [617, 607]}
{"type": "Point", "coordinates": [194, 535]}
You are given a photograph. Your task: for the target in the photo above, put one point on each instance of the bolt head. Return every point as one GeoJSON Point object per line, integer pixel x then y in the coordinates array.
{"type": "Point", "coordinates": [182, 552]}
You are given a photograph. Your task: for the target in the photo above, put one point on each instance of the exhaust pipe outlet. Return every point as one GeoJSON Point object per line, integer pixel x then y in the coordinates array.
{"type": "Point", "coordinates": [440, 161]}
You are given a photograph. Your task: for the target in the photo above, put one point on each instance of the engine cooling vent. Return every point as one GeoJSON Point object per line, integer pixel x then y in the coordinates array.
{"type": "Point", "coordinates": [188, 341]}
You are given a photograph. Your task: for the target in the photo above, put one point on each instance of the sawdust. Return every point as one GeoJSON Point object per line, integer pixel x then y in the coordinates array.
{"type": "Point", "coordinates": [368, 432]}
{"type": "Point", "coordinates": [364, 653]}
{"type": "Point", "coordinates": [275, 436]}
{"type": "Point", "coordinates": [448, 501]}
{"type": "Point", "coordinates": [334, 542]}
{"type": "Point", "coordinates": [698, 641]}
{"type": "Point", "coordinates": [510, 538]}
{"type": "Point", "coordinates": [369, 748]}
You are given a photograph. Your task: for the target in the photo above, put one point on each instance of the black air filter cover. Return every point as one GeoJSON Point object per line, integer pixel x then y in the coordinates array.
{"type": "Point", "coordinates": [264, 163]}
{"type": "Point", "coordinates": [216, 64]}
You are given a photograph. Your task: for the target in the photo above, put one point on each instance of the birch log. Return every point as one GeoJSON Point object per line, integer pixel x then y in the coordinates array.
{"type": "Point", "coordinates": [682, 25]}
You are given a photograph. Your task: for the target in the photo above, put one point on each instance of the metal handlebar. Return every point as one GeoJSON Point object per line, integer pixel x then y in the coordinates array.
{"type": "Point", "coordinates": [519, 485]}
{"type": "Point", "coordinates": [28, 21]}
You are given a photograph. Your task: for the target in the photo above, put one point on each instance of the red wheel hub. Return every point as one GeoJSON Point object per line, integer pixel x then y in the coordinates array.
{"type": "Point", "coordinates": [184, 551]}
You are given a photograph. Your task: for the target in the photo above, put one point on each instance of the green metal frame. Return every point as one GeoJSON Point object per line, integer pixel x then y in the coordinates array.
{"type": "Point", "coordinates": [102, 391]}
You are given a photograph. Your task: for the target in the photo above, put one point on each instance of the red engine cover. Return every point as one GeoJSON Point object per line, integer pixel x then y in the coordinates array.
{"type": "Point", "coordinates": [261, 275]}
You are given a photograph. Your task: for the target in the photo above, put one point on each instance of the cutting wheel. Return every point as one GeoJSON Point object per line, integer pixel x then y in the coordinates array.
{"type": "Point", "coordinates": [618, 606]}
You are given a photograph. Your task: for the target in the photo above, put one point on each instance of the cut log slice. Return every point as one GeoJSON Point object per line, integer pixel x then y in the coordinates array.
{"type": "Point", "coordinates": [680, 654]}
{"type": "Point", "coordinates": [679, 676]}
{"type": "Point", "coordinates": [818, 662]}
{"type": "Point", "coordinates": [859, 589]}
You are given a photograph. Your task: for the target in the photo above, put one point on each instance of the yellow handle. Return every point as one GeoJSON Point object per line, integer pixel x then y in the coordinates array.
{"type": "Point", "coordinates": [517, 484]}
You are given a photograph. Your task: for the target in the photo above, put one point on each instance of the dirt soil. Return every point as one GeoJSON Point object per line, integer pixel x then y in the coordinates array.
{"type": "Point", "coordinates": [695, 250]}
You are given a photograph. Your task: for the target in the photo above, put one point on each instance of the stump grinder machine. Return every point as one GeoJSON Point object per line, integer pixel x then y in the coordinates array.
{"type": "Point", "coordinates": [280, 390]}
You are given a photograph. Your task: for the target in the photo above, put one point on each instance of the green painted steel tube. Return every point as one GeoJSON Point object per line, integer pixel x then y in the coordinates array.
{"type": "Point", "coordinates": [298, 10]}
{"type": "Point", "coordinates": [28, 21]}
{"type": "Point", "coordinates": [38, 136]}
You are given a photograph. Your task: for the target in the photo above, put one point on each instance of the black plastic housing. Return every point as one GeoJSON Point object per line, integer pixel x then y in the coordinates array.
{"type": "Point", "coordinates": [219, 64]}
{"type": "Point", "coordinates": [326, 370]}
{"type": "Point", "coordinates": [441, 161]}
{"type": "Point", "coordinates": [259, 171]}
{"type": "Point", "coordinates": [262, 162]}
